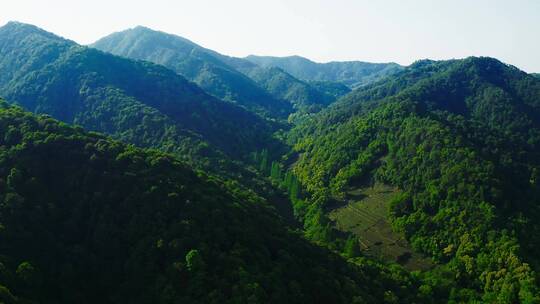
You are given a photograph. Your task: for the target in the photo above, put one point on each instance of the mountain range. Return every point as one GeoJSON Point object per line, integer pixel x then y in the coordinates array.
{"type": "Point", "coordinates": [145, 168]}
{"type": "Point", "coordinates": [350, 73]}
{"type": "Point", "coordinates": [138, 102]}
{"type": "Point", "coordinates": [266, 91]}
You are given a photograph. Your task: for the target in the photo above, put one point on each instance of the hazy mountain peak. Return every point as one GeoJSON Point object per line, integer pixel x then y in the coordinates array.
{"type": "Point", "coordinates": [142, 32]}
{"type": "Point", "coordinates": [17, 24]}
{"type": "Point", "coordinates": [20, 29]}
{"type": "Point", "coordinates": [212, 71]}
{"type": "Point", "coordinates": [351, 73]}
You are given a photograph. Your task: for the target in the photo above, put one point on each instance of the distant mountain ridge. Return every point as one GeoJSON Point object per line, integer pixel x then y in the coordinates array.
{"type": "Point", "coordinates": [216, 174]}
{"type": "Point", "coordinates": [138, 102]}
{"type": "Point", "coordinates": [196, 63]}
{"type": "Point", "coordinates": [350, 73]}
{"type": "Point", "coordinates": [261, 89]}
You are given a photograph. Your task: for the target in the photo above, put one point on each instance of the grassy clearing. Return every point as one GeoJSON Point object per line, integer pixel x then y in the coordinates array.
{"type": "Point", "coordinates": [366, 215]}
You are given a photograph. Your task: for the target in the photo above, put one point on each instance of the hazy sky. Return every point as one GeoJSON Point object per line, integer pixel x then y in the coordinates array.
{"type": "Point", "coordinates": [378, 31]}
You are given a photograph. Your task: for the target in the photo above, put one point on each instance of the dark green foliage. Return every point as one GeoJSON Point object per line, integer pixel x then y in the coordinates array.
{"type": "Point", "coordinates": [194, 261]}
{"type": "Point", "coordinates": [137, 102]}
{"type": "Point", "coordinates": [352, 247]}
{"type": "Point", "coordinates": [350, 73]}
{"type": "Point", "coordinates": [335, 89]}
{"type": "Point", "coordinates": [263, 90]}
{"type": "Point", "coordinates": [285, 180]}
{"type": "Point", "coordinates": [461, 140]}
{"type": "Point", "coordinates": [196, 63]}
{"type": "Point", "coordinates": [282, 85]}
{"type": "Point", "coordinates": [261, 161]}
{"type": "Point", "coordinates": [85, 219]}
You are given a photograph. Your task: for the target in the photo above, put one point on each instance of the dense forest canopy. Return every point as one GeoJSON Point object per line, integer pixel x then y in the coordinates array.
{"type": "Point", "coordinates": [331, 88]}
{"type": "Point", "coordinates": [137, 102]}
{"type": "Point", "coordinates": [461, 140]}
{"type": "Point", "coordinates": [195, 63]}
{"type": "Point", "coordinates": [181, 175]}
{"type": "Point", "coordinates": [267, 91]}
{"type": "Point", "coordinates": [87, 219]}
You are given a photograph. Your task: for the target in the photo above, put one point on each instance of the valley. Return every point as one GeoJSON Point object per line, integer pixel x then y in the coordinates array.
{"type": "Point", "coordinates": [146, 168]}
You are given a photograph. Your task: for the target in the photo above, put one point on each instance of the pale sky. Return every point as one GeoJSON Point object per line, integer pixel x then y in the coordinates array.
{"type": "Point", "coordinates": [401, 31]}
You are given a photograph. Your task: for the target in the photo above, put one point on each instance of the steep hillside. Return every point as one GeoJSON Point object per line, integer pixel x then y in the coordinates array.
{"type": "Point", "coordinates": [86, 219]}
{"type": "Point", "coordinates": [282, 85]}
{"type": "Point", "coordinates": [195, 63]}
{"type": "Point", "coordinates": [335, 89]}
{"type": "Point", "coordinates": [434, 166]}
{"type": "Point", "coordinates": [136, 102]}
{"type": "Point", "coordinates": [304, 97]}
{"type": "Point", "coordinates": [350, 73]}
{"type": "Point", "coordinates": [460, 140]}
{"type": "Point", "coordinates": [229, 78]}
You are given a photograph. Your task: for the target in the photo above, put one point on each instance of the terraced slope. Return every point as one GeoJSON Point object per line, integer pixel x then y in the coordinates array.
{"type": "Point", "coordinates": [365, 212]}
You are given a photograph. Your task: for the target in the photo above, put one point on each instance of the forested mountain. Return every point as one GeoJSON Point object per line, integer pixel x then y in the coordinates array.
{"type": "Point", "coordinates": [229, 78]}
{"type": "Point", "coordinates": [460, 141]}
{"type": "Point", "coordinates": [86, 219]}
{"type": "Point", "coordinates": [335, 89]}
{"type": "Point", "coordinates": [434, 166]}
{"type": "Point", "coordinates": [195, 63]}
{"type": "Point", "coordinates": [303, 96]}
{"type": "Point", "coordinates": [537, 75]}
{"type": "Point", "coordinates": [137, 102]}
{"type": "Point", "coordinates": [350, 73]}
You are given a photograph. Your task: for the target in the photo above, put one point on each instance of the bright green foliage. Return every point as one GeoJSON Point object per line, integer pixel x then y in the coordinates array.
{"type": "Point", "coordinates": [350, 73]}
{"type": "Point", "coordinates": [461, 139]}
{"type": "Point", "coordinates": [286, 180]}
{"type": "Point", "coordinates": [275, 172]}
{"type": "Point", "coordinates": [261, 160]}
{"type": "Point", "coordinates": [85, 219]}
